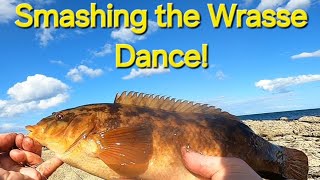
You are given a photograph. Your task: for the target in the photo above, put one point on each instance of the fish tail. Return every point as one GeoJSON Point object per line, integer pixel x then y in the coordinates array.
{"type": "Point", "coordinates": [295, 164]}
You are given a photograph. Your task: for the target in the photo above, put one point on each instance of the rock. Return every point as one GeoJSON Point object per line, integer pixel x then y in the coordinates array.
{"type": "Point", "coordinates": [310, 119]}
{"type": "Point", "coordinates": [302, 134]}
{"type": "Point", "coordinates": [66, 171]}
{"type": "Point", "coordinates": [284, 119]}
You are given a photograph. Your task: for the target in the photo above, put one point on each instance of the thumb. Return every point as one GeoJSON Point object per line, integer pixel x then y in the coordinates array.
{"type": "Point", "coordinates": [217, 167]}
{"type": "Point", "coordinates": [202, 165]}
{"type": "Point", "coordinates": [49, 166]}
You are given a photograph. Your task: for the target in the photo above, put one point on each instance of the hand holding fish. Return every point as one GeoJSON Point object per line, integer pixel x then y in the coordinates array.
{"type": "Point", "coordinates": [19, 155]}
{"type": "Point", "coordinates": [217, 168]}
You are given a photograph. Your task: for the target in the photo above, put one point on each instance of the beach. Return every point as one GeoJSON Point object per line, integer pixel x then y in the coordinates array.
{"type": "Point", "coordinates": [302, 134]}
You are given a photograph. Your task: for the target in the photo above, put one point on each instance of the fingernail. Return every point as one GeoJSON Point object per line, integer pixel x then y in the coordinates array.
{"type": "Point", "coordinates": [188, 148]}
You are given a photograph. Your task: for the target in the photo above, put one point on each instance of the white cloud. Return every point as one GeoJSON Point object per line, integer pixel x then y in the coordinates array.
{"type": "Point", "coordinates": [298, 4]}
{"type": "Point", "coordinates": [109, 69]}
{"type": "Point", "coordinates": [37, 87]}
{"type": "Point", "coordinates": [248, 2]}
{"type": "Point", "coordinates": [146, 72]}
{"type": "Point", "coordinates": [306, 55]}
{"type": "Point", "coordinates": [7, 10]}
{"type": "Point", "coordinates": [257, 104]}
{"type": "Point", "coordinates": [220, 75]}
{"type": "Point", "coordinates": [41, 3]}
{"type": "Point", "coordinates": [280, 84]}
{"type": "Point", "coordinates": [76, 74]}
{"type": "Point", "coordinates": [36, 93]}
{"type": "Point", "coordinates": [53, 101]}
{"type": "Point", "coordinates": [126, 35]}
{"type": "Point", "coordinates": [106, 49]}
{"type": "Point", "coordinates": [45, 35]}
{"type": "Point", "coordinates": [58, 62]}
{"type": "Point", "coordinates": [3, 103]}
{"type": "Point", "coordinates": [11, 127]}
{"type": "Point", "coordinates": [79, 32]}
{"type": "Point", "coordinates": [284, 4]}
{"type": "Point", "coordinates": [270, 4]}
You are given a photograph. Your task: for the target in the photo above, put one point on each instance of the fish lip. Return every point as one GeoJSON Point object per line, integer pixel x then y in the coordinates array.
{"type": "Point", "coordinates": [29, 128]}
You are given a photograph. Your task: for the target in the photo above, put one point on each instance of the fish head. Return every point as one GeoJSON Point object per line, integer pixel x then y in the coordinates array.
{"type": "Point", "coordinates": [61, 130]}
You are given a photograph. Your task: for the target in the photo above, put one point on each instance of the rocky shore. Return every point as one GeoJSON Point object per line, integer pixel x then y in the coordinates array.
{"type": "Point", "coordinates": [302, 134]}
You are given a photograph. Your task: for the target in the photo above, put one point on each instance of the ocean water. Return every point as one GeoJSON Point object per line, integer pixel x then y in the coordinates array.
{"type": "Point", "coordinates": [277, 115]}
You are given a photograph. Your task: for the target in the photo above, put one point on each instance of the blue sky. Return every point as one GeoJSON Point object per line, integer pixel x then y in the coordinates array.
{"type": "Point", "coordinates": [251, 70]}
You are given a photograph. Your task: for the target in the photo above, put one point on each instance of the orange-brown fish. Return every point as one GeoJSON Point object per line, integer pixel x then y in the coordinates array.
{"type": "Point", "coordinates": [140, 136]}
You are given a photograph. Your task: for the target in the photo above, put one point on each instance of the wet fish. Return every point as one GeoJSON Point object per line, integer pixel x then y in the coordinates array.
{"type": "Point", "coordinates": [140, 136]}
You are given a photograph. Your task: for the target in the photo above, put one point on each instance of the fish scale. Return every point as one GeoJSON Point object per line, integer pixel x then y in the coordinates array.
{"type": "Point", "coordinates": [140, 136]}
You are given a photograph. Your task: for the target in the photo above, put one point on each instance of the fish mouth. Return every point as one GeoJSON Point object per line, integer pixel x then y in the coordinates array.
{"type": "Point", "coordinates": [30, 128]}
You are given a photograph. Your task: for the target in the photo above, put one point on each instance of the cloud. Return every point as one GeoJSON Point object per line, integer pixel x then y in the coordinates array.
{"type": "Point", "coordinates": [146, 72]}
{"type": "Point", "coordinates": [220, 75]}
{"type": "Point", "coordinates": [11, 127]}
{"type": "Point", "coordinates": [76, 74]}
{"type": "Point", "coordinates": [36, 93]}
{"type": "Point", "coordinates": [106, 49]}
{"type": "Point", "coordinates": [79, 32]}
{"type": "Point", "coordinates": [248, 2]}
{"type": "Point", "coordinates": [267, 4]}
{"type": "Point", "coordinates": [306, 55]}
{"type": "Point", "coordinates": [258, 104]}
{"type": "Point", "coordinates": [45, 35]}
{"type": "Point", "coordinates": [284, 4]}
{"type": "Point", "coordinates": [58, 62]}
{"type": "Point", "coordinates": [41, 3]}
{"type": "Point", "coordinates": [298, 4]}
{"type": "Point", "coordinates": [280, 84]}
{"type": "Point", "coordinates": [126, 35]}
{"type": "Point", "coordinates": [7, 10]}
{"type": "Point", "coordinates": [37, 87]}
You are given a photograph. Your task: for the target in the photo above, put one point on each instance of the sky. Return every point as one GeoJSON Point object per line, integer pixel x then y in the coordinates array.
{"type": "Point", "coordinates": [45, 70]}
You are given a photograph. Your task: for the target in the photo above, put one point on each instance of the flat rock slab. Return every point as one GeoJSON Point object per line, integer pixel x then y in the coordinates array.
{"type": "Point", "coordinates": [302, 134]}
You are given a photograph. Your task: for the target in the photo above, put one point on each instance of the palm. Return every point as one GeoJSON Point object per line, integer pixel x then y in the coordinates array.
{"type": "Point", "coordinates": [19, 155]}
{"type": "Point", "coordinates": [14, 170]}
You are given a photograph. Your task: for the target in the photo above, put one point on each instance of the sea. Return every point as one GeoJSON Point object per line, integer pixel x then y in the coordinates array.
{"type": "Point", "coordinates": [291, 115]}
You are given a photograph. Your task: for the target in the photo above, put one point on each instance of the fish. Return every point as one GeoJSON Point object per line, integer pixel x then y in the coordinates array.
{"type": "Point", "coordinates": [140, 136]}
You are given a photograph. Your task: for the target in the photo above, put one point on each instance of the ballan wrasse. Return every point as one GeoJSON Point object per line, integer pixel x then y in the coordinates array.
{"type": "Point", "coordinates": [141, 135]}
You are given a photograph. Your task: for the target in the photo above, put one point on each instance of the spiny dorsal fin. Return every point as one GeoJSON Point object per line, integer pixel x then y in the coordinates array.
{"type": "Point", "coordinates": [167, 104]}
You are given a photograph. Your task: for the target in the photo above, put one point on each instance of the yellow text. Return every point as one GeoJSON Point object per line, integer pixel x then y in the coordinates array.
{"type": "Point", "coordinates": [176, 58]}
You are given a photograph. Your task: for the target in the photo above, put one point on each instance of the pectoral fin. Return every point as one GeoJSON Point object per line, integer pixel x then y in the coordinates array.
{"type": "Point", "coordinates": [127, 150]}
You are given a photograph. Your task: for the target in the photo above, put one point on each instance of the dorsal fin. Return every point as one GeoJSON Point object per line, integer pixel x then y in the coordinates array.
{"type": "Point", "coordinates": [167, 104]}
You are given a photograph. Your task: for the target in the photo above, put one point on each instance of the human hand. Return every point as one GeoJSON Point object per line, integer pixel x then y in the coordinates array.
{"type": "Point", "coordinates": [217, 168]}
{"type": "Point", "coordinates": [19, 155]}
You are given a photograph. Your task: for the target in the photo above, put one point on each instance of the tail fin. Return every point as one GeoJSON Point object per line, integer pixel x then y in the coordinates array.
{"type": "Point", "coordinates": [295, 164]}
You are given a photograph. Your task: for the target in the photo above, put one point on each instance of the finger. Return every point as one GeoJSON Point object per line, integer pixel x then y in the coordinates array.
{"type": "Point", "coordinates": [13, 175]}
{"type": "Point", "coordinates": [49, 166]}
{"type": "Point", "coordinates": [19, 140]}
{"type": "Point", "coordinates": [30, 172]}
{"type": "Point", "coordinates": [7, 141]}
{"type": "Point", "coordinates": [31, 145]}
{"type": "Point", "coordinates": [200, 164]}
{"type": "Point", "coordinates": [218, 167]}
{"type": "Point", "coordinates": [25, 157]}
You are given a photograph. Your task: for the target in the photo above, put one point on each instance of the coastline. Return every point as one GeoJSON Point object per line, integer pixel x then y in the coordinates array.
{"type": "Point", "coordinates": [302, 134]}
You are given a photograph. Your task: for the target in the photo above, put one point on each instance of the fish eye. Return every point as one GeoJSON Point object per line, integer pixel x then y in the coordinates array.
{"type": "Point", "coordinates": [59, 116]}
